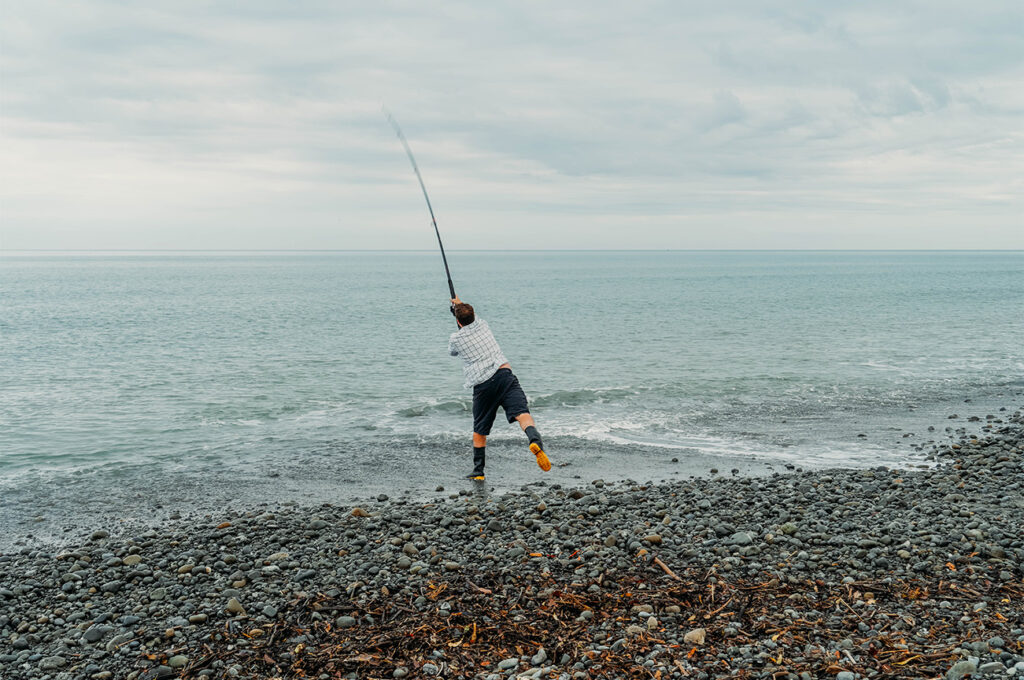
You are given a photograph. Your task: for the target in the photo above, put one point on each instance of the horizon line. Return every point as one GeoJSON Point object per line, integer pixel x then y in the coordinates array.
{"type": "Point", "coordinates": [509, 250]}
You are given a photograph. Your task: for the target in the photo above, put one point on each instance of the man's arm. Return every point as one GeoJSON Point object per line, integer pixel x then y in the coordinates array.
{"type": "Point", "coordinates": [452, 347]}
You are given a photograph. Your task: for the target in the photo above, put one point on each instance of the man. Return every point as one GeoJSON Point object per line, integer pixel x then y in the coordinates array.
{"type": "Point", "coordinates": [490, 376]}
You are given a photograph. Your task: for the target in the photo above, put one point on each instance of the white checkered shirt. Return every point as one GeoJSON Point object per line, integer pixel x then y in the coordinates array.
{"type": "Point", "coordinates": [479, 350]}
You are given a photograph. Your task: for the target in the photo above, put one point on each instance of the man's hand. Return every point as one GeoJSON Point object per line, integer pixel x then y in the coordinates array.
{"type": "Point", "coordinates": [456, 300]}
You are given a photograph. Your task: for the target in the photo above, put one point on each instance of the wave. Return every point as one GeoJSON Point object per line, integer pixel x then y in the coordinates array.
{"type": "Point", "coordinates": [423, 409]}
{"type": "Point", "coordinates": [880, 366]}
{"type": "Point", "coordinates": [581, 397]}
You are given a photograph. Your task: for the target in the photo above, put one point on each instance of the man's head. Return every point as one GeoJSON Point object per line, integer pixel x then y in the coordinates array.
{"type": "Point", "coordinates": [464, 314]}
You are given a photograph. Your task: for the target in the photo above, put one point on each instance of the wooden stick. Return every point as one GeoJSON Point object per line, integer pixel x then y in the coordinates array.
{"type": "Point", "coordinates": [478, 589]}
{"type": "Point", "coordinates": [664, 567]}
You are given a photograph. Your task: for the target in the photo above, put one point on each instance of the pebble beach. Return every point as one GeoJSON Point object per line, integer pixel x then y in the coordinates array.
{"type": "Point", "coordinates": [846, 574]}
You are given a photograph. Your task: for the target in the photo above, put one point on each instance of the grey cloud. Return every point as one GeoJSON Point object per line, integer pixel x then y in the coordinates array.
{"type": "Point", "coordinates": [572, 114]}
{"type": "Point", "coordinates": [725, 109]}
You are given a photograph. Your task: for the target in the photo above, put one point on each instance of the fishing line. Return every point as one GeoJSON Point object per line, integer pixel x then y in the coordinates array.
{"type": "Point", "coordinates": [416, 168]}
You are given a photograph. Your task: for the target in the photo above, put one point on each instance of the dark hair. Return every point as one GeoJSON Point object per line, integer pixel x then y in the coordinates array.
{"type": "Point", "coordinates": [464, 313]}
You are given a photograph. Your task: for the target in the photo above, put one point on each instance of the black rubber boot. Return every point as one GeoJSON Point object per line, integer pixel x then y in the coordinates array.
{"type": "Point", "coordinates": [478, 463]}
{"type": "Point", "coordinates": [534, 436]}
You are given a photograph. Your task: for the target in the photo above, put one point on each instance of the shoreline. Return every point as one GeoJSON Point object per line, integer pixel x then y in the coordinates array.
{"type": "Point", "coordinates": [843, 573]}
{"type": "Point", "coordinates": [46, 509]}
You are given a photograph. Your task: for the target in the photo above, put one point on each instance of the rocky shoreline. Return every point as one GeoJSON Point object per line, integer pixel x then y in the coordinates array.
{"type": "Point", "coordinates": [842, 573]}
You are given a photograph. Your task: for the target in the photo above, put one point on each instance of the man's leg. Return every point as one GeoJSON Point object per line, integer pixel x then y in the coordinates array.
{"type": "Point", "coordinates": [485, 407]}
{"type": "Point", "coordinates": [525, 421]}
{"type": "Point", "coordinates": [516, 408]}
{"type": "Point", "coordinates": [536, 445]}
{"type": "Point", "coordinates": [479, 447]}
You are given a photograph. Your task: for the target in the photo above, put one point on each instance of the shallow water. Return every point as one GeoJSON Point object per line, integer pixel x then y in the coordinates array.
{"type": "Point", "coordinates": [323, 376]}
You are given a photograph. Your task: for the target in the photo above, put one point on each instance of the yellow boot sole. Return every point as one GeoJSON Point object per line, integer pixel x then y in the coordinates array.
{"type": "Point", "coordinates": [542, 458]}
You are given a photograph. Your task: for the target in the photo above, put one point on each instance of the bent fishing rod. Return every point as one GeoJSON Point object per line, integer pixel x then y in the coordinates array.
{"type": "Point", "coordinates": [416, 168]}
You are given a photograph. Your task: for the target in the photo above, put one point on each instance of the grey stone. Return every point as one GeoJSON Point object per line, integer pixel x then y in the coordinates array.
{"type": "Point", "coordinates": [742, 538]}
{"type": "Point", "coordinates": [344, 622]}
{"type": "Point", "coordinates": [960, 669]}
{"type": "Point", "coordinates": [96, 633]}
{"type": "Point", "coordinates": [52, 663]}
{"type": "Point", "coordinates": [118, 640]}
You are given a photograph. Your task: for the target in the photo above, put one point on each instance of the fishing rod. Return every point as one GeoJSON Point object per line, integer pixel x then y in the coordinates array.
{"type": "Point", "coordinates": [416, 168]}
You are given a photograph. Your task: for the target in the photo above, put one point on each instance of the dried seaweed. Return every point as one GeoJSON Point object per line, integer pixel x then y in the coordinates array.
{"type": "Point", "coordinates": [467, 627]}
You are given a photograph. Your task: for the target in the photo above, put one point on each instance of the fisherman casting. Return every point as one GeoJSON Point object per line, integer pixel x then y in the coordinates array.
{"type": "Point", "coordinates": [490, 376]}
{"type": "Point", "coordinates": [486, 368]}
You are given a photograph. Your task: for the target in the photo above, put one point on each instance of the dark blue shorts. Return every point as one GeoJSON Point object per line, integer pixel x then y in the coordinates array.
{"type": "Point", "coordinates": [501, 389]}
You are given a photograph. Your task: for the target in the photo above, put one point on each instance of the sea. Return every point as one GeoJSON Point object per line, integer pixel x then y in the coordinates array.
{"type": "Point", "coordinates": [139, 385]}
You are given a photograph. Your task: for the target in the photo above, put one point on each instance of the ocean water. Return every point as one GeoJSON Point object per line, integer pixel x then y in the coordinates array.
{"type": "Point", "coordinates": [146, 381]}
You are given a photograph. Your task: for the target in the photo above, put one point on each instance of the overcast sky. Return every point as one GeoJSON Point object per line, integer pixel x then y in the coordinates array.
{"type": "Point", "coordinates": [257, 124]}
